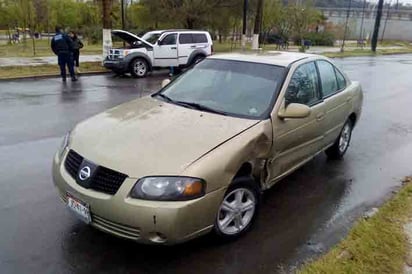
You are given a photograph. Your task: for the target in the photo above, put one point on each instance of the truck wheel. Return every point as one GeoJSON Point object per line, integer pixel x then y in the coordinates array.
{"type": "Point", "coordinates": [139, 68]}
{"type": "Point", "coordinates": [197, 59]}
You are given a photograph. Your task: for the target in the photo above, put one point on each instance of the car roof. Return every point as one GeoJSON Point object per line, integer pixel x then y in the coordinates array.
{"type": "Point", "coordinates": [278, 58]}
{"type": "Point", "coordinates": [184, 30]}
{"type": "Point", "coordinates": [175, 30]}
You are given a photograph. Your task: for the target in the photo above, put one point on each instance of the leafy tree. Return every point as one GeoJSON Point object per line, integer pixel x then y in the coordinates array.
{"type": "Point", "coordinates": [301, 16]}
{"type": "Point", "coordinates": [64, 13]}
{"type": "Point", "coordinates": [274, 17]}
{"type": "Point", "coordinates": [190, 13]}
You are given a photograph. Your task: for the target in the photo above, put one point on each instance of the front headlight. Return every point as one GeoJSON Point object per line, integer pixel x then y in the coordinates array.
{"type": "Point", "coordinates": [65, 143]}
{"type": "Point", "coordinates": [168, 188]}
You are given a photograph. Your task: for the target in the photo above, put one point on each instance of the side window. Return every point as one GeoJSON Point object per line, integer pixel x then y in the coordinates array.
{"type": "Point", "coordinates": [327, 77]}
{"type": "Point", "coordinates": [170, 39]}
{"type": "Point", "coordinates": [199, 38]}
{"type": "Point", "coordinates": [341, 80]}
{"type": "Point", "coordinates": [303, 87]}
{"type": "Point", "coordinates": [185, 38]}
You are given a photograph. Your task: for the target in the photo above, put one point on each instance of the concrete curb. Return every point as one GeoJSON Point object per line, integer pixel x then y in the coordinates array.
{"type": "Point", "coordinates": [39, 77]}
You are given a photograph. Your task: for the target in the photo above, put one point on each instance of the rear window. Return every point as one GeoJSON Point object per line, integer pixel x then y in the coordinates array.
{"type": "Point", "coordinates": [328, 78]}
{"type": "Point", "coordinates": [185, 38]}
{"type": "Point", "coordinates": [199, 38]}
{"type": "Point", "coordinates": [341, 80]}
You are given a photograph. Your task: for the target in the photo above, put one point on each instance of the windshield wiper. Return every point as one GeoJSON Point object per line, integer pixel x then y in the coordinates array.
{"type": "Point", "coordinates": [200, 107]}
{"type": "Point", "coordinates": [191, 105]}
{"type": "Point", "coordinates": [167, 98]}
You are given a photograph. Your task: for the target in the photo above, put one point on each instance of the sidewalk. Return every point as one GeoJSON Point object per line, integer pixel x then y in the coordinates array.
{"type": "Point", "coordinates": [36, 61]}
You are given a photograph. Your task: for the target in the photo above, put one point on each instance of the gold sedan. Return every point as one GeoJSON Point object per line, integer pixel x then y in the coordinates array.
{"type": "Point", "coordinates": [195, 156]}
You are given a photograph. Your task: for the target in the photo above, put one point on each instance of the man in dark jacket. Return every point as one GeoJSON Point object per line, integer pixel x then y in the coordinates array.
{"type": "Point", "coordinates": [62, 46]}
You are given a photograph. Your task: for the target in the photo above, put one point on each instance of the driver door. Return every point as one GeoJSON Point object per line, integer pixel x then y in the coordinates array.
{"type": "Point", "coordinates": [165, 51]}
{"type": "Point", "coordinates": [296, 140]}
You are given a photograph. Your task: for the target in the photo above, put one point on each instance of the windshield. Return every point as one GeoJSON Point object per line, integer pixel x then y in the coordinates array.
{"type": "Point", "coordinates": [151, 37]}
{"type": "Point", "coordinates": [233, 87]}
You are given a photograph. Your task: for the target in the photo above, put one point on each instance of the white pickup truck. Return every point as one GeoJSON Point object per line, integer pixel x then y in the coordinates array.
{"type": "Point", "coordinates": [162, 48]}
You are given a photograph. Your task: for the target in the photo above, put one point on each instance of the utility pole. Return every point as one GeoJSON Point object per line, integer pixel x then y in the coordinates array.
{"type": "Point", "coordinates": [346, 26]}
{"type": "Point", "coordinates": [245, 7]}
{"type": "Point", "coordinates": [377, 25]}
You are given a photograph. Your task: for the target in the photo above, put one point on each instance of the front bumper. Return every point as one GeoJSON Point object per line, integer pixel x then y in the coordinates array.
{"type": "Point", "coordinates": [152, 222]}
{"type": "Point", "coordinates": [116, 65]}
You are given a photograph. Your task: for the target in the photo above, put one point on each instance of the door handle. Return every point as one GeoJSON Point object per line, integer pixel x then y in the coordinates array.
{"type": "Point", "coordinates": [192, 47]}
{"type": "Point", "coordinates": [320, 116]}
{"type": "Point", "coordinates": [173, 48]}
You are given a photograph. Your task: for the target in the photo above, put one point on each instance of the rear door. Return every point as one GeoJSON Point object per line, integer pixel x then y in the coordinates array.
{"type": "Point", "coordinates": [203, 42]}
{"type": "Point", "coordinates": [165, 51]}
{"type": "Point", "coordinates": [186, 47]}
{"type": "Point", "coordinates": [336, 97]}
{"type": "Point", "coordinates": [297, 140]}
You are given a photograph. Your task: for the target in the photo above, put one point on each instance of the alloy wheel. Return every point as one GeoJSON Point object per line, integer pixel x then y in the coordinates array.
{"type": "Point", "coordinates": [344, 138]}
{"type": "Point", "coordinates": [236, 211]}
{"type": "Point", "coordinates": [140, 68]}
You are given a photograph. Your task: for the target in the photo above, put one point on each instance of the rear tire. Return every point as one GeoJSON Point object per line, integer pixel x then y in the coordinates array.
{"type": "Point", "coordinates": [197, 59]}
{"type": "Point", "coordinates": [238, 210]}
{"type": "Point", "coordinates": [339, 148]}
{"type": "Point", "coordinates": [139, 68]}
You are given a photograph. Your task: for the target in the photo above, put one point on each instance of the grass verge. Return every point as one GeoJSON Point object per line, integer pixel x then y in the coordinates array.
{"type": "Point", "coordinates": [42, 48]}
{"type": "Point", "coordinates": [375, 245]}
{"type": "Point", "coordinates": [367, 52]}
{"type": "Point", "coordinates": [45, 70]}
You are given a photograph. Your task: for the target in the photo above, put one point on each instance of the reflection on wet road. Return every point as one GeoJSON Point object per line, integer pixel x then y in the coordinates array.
{"type": "Point", "coordinates": [300, 217]}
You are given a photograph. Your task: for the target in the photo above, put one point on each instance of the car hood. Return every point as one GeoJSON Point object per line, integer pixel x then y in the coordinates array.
{"type": "Point", "coordinates": [129, 37]}
{"type": "Point", "coordinates": [150, 137]}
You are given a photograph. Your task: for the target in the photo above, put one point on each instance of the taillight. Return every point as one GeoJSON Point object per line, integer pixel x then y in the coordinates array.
{"type": "Point", "coordinates": [212, 49]}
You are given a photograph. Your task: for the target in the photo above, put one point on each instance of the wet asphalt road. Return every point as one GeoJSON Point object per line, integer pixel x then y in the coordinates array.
{"type": "Point", "coordinates": [300, 217]}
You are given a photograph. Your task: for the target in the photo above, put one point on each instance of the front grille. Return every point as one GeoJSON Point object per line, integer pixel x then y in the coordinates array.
{"type": "Point", "coordinates": [125, 231]}
{"type": "Point", "coordinates": [107, 180]}
{"type": "Point", "coordinates": [73, 162]}
{"type": "Point", "coordinates": [104, 180]}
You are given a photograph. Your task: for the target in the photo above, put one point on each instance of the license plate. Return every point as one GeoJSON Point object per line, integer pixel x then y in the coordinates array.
{"type": "Point", "coordinates": [79, 208]}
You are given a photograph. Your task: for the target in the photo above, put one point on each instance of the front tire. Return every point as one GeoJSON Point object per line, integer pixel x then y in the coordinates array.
{"type": "Point", "coordinates": [139, 68]}
{"type": "Point", "coordinates": [238, 209]}
{"type": "Point", "coordinates": [339, 148]}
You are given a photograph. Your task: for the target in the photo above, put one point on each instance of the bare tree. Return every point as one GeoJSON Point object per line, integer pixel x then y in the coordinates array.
{"type": "Point", "coordinates": [107, 26]}
{"type": "Point", "coordinates": [258, 24]}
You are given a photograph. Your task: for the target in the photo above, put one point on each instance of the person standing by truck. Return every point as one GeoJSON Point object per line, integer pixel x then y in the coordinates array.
{"type": "Point", "coordinates": [62, 46]}
{"type": "Point", "coordinates": [77, 45]}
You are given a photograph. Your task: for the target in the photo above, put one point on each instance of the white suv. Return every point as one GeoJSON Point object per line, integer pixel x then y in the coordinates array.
{"type": "Point", "coordinates": [166, 48]}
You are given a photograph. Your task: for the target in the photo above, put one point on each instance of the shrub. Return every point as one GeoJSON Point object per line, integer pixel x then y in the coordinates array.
{"type": "Point", "coordinates": [318, 39]}
{"type": "Point", "coordinates": [93, 34]}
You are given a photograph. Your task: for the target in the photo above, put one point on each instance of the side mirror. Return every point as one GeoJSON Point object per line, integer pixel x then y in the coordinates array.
{"type": "Point", "coordinates": [294, 111]}
{"type": "Point", "coordinates": [159, 42]}
{"type": "Point", "coordinates": [165, 82]}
